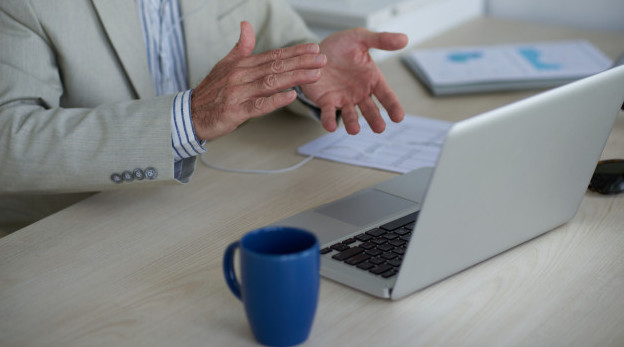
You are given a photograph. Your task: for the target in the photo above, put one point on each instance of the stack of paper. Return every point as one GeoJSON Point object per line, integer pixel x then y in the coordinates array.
{"type": "Point", "coordinates": [505, 67]}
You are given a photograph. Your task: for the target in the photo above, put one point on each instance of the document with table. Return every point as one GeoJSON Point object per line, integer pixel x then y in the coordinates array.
{"type": "Point", "coordinates": [403, 147]}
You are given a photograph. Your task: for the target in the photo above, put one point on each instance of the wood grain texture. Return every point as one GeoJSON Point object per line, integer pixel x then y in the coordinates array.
{"type": "Point", "coordinates": [143, 267]}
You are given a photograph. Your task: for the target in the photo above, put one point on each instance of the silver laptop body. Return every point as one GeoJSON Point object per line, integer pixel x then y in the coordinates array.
{"type": "Point", "coordinates": [502, 178]}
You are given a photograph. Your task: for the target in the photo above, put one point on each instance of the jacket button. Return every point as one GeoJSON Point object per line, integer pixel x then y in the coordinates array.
{"type": "Point", "coordinates": [151, 173]}
{"type": "Point", "coordinates": [127, 176]}
{"type": "Point", "coordinates": [116, 178]}
{"type": "Point", "coordinates": [138, 174]}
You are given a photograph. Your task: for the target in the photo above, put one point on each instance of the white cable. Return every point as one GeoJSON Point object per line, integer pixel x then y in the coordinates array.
{"type": "Point", "coordinates": [286, 169]}
{"type": "Point", "coordinates": [252, 171]}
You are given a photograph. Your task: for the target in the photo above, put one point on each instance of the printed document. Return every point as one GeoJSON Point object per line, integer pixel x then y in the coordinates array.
{"type": "Point", "coordinates": [468, 69]}
{"type": "Point", "coordinates": [402, 147]}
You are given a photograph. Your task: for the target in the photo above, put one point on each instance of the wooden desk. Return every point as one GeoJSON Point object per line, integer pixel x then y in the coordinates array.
{"type": "Point", "coordinates": [121, 269]}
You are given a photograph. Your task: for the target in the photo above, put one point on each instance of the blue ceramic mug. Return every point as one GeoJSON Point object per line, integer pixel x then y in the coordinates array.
{"type": "Point", "coordinates": [279, 282]}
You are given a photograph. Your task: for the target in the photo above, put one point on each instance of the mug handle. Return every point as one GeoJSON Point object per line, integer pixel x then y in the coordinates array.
{"type": "Point", "coordinates": [229, 271]}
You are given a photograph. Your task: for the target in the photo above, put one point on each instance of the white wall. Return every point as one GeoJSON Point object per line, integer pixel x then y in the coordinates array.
{"type": "Point", "coordinates": [592, 14]}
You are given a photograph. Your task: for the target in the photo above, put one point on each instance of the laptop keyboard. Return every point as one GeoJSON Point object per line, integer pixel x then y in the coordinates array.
{"type": "Point", "coordinates": [380, 250]}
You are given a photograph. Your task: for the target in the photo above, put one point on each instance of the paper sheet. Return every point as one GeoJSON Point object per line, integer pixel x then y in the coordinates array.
{"type": "Point", "coordinates": [402, 147]}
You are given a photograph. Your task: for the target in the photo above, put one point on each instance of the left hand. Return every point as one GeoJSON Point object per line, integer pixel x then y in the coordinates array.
{"type": "Point", "coordinates": [351, 78]}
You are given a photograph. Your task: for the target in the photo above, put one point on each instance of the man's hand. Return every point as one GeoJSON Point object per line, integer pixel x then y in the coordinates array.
{"type": "Point", "coordinates": [351, 78]}
{"type": "Point", "coordinates": [242, 85]}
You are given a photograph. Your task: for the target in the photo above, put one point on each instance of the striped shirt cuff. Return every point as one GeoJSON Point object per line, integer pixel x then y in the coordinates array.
{"type": "Point", "coordinates": [183, 139]}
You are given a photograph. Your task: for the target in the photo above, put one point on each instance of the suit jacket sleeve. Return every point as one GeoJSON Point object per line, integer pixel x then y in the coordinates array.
{"type": "Point", "coordinates": [62, 130]}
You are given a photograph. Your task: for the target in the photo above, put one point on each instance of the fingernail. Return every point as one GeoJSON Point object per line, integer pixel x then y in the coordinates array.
{"type": "Point", "coordinates": [313, 73]}
{"type": "Point", "coordinates": [314, 48]}
{"type": "Point", "coordinates": [320, 59]}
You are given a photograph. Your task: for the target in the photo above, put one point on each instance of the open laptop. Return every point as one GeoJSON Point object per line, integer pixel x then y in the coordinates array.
{"type": "Point", "coordinates": [502, 178]}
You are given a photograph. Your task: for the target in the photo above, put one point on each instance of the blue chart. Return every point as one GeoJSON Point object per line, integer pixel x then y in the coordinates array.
{"type": "Point", "coordinates": [462, 57]}
{"type": "Point", "coordinates": [534, 57]}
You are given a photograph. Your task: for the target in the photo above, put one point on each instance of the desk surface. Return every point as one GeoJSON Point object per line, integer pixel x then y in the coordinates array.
{"type": "Point", "coordinates": [120, 269]}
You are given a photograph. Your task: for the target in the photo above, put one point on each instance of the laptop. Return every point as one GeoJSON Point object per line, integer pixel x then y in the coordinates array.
{"type": "Point", "coordinates": [502, 178]}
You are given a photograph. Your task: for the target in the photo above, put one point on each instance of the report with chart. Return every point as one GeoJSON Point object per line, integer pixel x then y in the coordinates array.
{"type": "Point", "coordinates": [469, 69]}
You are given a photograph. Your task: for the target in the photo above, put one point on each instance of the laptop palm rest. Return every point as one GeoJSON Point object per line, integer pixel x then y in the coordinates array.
{"type": "Point", "coordinates": [365, 208]}
{"type": "Point", "coordinates": [371, 206]}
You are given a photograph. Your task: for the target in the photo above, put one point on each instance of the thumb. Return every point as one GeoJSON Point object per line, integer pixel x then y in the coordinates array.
{"type": "Point", "coordinates": [386, 41]}
{"type": "Point", "coordinates": [246, 42]}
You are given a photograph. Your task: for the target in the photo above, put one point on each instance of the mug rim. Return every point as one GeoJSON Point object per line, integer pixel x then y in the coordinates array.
{"type": "Point", "coordinates": [311, 246]}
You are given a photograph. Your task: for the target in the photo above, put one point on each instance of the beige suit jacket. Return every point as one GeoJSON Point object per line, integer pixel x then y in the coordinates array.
{"type": "Point", "coordinates": [77, 102]}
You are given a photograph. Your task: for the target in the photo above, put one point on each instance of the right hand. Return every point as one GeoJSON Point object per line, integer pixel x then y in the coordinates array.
{"type": "Point", "coordinates": [242, 86]}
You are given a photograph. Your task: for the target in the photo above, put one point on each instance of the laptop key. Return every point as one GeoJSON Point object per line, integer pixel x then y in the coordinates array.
{"type": "Point", "coordinates": [397, 243]}
{"type": "Point", "coordinates": [399, 250]}
{"type": "Point", "coordinates": [365, 265]}
{"type": "Point", "coordinates": [348, 253]}
{"type": "Point", "coordinates": [389, 255]}
{"type": "Point", "coordinates": [363, 237]}
{"type": "Point", "coordinates": [377, 260]}
{"type": "Point", "coordinates": [367, 245]}
{"type": "Point", "coordinates": [396, 262]}
{"type": "Point", "coordinates": [385, 248]}
{"type": "Point", "coordinates": [349, 241]}
{"type": "Point", "coordinates": [397, 223]}
{"type": "Point", "coordinates": [379, 241]}
{"type": "Point", "coordinates": [390, 236]}
{"type": "Point", "coordinates": [379, 269]}
{"type": "Point", "coordinates": [326, 250]}
{"type": "Point", "coordinates": [389, 273]}
{"type": "Point", "coordinates": [376, 232]}
{"type": "Point", "coordinates": [357, 259]}
{"type": "Point", "coordinates": [402, 231]}
{"type": "Point", "coordinates": [340, 247]}
{"type": "Point", "coordinates": [374, 252]}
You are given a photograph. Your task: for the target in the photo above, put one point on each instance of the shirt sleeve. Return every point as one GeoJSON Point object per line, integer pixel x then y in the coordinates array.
{"type": "Point", "coordinates": [184, 143]}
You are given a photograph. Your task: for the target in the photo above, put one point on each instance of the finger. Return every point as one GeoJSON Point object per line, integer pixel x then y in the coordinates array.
{"type": "Point", "coordinates": [273, 83]}
{"type": "Point", "coordinates": [308, 61]}
{"type": "Point", "coordinates": [263, 105]}
{"type": "Point", "coordinates": [370, 111]}
{"type": "Point", "coordinates": [350, 119]}
{"type": "Point", "coordinates": [246, 43]}
{"type": "Point", "coordinates": [389, 100]}
{"type": "Point", "coordinates": [328, 117]}
{"type": "Point", "coordinates": [385, 41]}
{"type": "Point", "coordinates": [280, 54]}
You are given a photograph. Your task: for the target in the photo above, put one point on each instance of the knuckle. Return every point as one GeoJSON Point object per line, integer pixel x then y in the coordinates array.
{"type": "Point", "coordinates": [258, 104]}
{"type": "Point", "coordinates": [277, 66]}
{"type": "Point", "coordinates": [277, 53]}
{"type": "Point", "coordinates": [253, 107]}
{"type": "Point", "coordinates": [269, 81]}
